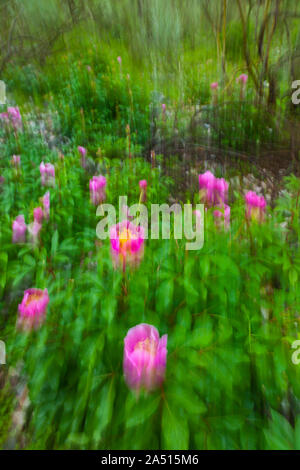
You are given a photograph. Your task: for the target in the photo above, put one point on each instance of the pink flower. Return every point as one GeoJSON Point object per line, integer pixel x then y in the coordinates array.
{"type": "Point", "coordinates": [19, 230]}
{"type": "Point", "coordinates": [145, 357]}
{"type": "Point", "coordinates": [143, 184]}
{"type": "Point", "coordinates": [143, 188]}
{"type": "Point", "coordinates": [212, 190]}
{"type": "Point", "coordinates": [97, 189]}
{"type": "Point", "coordinates": [163, 107]}
{"type": "Point", "coordinates": [16, 161]}
{"type": "Point", "coordinates": [46, 204]}
{"type": "Point", "coordinates": [38, 214]}
{"type": "Point", "coordinates": [12, 116]}
{"type": "Point", "coordinates": [255, 206]}
{"type": "Point", "coordinates": [127, 244]}
{"type": "Point", "coordinates": [14, 113]}
{"type": "Point", "coordinates": [82, 151]}
{"type": "Point", "coordinates": [214, 85]}
{"type": "Point", "coordinates": [33, 309]}
{"type": "Point", "coordinates": [47, 171]}
{"type": "Point", "coordinates": [206, 187]}
{"type": "Point", "coordinates": [222, 216]}
{"type": "Point", "coordinates": [119, 59]}
{"type": "Point", "coordinates": [220, 191]}
{"type": "Point", "coordinates": [243, 78]}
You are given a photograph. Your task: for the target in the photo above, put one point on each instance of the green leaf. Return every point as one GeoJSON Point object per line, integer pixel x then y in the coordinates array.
{"type": "Point", "coordinates": [54, 243]}
{"type": "Point", "coordinates": [3, 269]}
{"type": "Point", "coordinates": [139, 410]}
{"type": "Point", "coordinates": [164, 296]}
{"type": "Point", "coordinates": [280, 434]}
{"type": "Point", "coordinates": [175, 431]}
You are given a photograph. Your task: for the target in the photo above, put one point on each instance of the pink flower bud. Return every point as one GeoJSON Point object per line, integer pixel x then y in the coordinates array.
{"type": "Point", "coordinates": [243, 78]}
{"type": "Point", "coordinates": [119, 59]}
{"type": "Point", "coordinates": [214, 85]}
{"type": "Point", "coordinates": [19, 230]}
{"type": "Point", "coordinates": [97, 189]}
{"type": "Point", "coordinates": [82, 151]}
{"type": "Point", "coordinates": [145, 357]}
{"type": "Point", "coordinates": [255, 206]}
{"type": "Point", "coordinates": [33, 309]}
{"type": "Point", "coordinates": [143, 184]}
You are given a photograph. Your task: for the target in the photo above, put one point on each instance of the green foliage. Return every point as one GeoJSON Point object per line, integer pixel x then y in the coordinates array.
{"type": "Point", "coordinates": [230, 310]}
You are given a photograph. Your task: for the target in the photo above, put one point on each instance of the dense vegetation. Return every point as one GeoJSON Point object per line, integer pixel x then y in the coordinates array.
{"type": "Point", "coordinates": [122, 78]}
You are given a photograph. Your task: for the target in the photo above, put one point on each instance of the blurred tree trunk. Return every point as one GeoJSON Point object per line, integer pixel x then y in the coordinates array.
{"type": "Point", "coordinates": [72, 10]}
{"type": "Point", "coordinates": [140, 8]}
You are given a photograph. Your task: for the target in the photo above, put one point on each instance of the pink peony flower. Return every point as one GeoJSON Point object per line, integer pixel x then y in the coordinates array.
{"type": "Point", "coordinates": [222, 216]}
{"type": "Point", "coordinates": [47, 171]}
{"type": "Point", "coordinates": [33, 309]}
{"type": "Point", "coordinates": [213, 190]}
{"type": "Point", "coordinates": [145, 357]}
{"type": "Point", "coordinates": [97, 189]}
{"type": "Point", "coordinates": [214, 85]}
{"type": "Point", "coordinates": [46, 204]}
{"type": "Point", "coordinates": [19, 230]}
{"type": "Point", "coordinates": [206, 187]}
{"type": "Point", "coordinates": [243, 78]}
{"type": "Point", "coordinates": [143, 188]}
{"type": "Point", "coordinates": [127, 244]}
{"type": "Point", "coordinates": [255, 206]}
